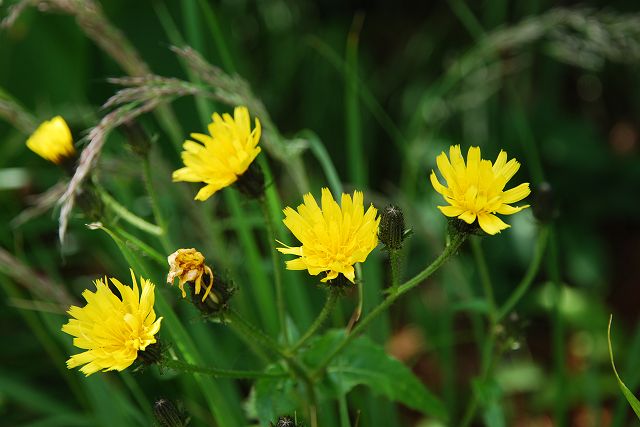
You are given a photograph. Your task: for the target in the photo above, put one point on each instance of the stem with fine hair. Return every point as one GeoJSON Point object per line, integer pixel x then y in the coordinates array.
{"type": "Point", "coordinates": [394, 260]}
{"type": "Point", "coordinates": [332, 297]}
{"type": "Point", "coordinates": [179, 365]}
{"type": "Point", "coordinates": [451, 249]}
{"type": "Point", "coordinates": [485, 279]}
{"type": "Point", "coordinates": [277, 273]}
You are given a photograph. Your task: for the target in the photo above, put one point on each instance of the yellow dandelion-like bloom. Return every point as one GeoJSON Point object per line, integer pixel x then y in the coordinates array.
{"type": "Point", "coordinates": [476, 190]}
{"type": "Point", "coordinates": [112, 329]}
{"type": "Point", "coordinates": [52, 141]}
{"type": "Point", "coordinates": [333, 238]}
{"type": "Point", "coordinates": [220, 158]}
{"type": "Point", "coordinates": [188, 266]}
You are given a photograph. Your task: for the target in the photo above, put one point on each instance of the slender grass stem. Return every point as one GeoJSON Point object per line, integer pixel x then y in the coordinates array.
{"type": "Point", "coordinates": [277, 272]}
{"type": "Point", "coordinates": [179, 365]}
{"type": "Point", "coordinates": [332, 298]}
{"type": "Point", "coordinates": [126, 214]}
{"type": "Point", "coordinates": [344, 411]}
{"type": "Point", "coordinates": [560, 375]}
{"type": "Point", "coordinates": [155, 206]}
{"type": "Point", "coordinates": [527, 280]}
{"type": "Point", "coordinates": [143, 247]}
{"type": "Point", "coordinates": [391, 298]}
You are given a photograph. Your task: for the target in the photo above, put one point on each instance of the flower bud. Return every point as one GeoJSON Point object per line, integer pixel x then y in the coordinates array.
{"type": "Point", "coordinates": [391, 231]}
{"type": "Point", "coordinates": [152, 355]}
{"type": "Point", "coordinates": [544, 204]}
{"type": "Point", "coordinates": [251, 182]}
{"type": "Point", "coordinates": [286, 421]}
{"type": "Point", "coordinates": [218, 299]}
{"type": "Point", "coordinates": [167, 414]}
{"type": "Point", "coordinates": [136, 137]}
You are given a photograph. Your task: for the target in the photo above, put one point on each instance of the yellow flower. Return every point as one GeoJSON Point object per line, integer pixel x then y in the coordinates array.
{"type": "Point", "coordinates": [52, 141]}
{"type": "Point", "coordinates": [188, 266]}
{"type": "Point", "coordinates": [112, 329]}
{"type": "Point", "coordinates": [220, 158]}
{"type": "Point", "coordinates": [333, 238]}
{"type": "Point", "coordinates": [475, 190]}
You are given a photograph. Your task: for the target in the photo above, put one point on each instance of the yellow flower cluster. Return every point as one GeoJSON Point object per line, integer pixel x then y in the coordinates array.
{"type": "Point", "coordinates": [218, 159]}
{"type": "Point", "coordinates": [112, 329]}
{"type": "Point", "coordinates": [52, 141]}
{"type": "Point", "coordinates": [333, 237]}
{"type": "Point", "coordinates": [475, 190]}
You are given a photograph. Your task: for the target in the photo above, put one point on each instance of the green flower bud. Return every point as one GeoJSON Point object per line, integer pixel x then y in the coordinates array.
{"type": "Point", "coordinates": [391, 231]}
{"type": "Point", "coordinates": [167, 414]}
{"type": "Point", "coordinates": [251, 182]}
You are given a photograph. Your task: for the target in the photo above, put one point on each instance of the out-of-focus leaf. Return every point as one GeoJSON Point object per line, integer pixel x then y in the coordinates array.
{"type": "Point", "coordinates": [489, 394]}
{"type": "Point", "coordinates": [633, 401]}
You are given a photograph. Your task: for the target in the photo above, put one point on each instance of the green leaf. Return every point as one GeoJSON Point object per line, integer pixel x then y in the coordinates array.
{"type": "Point", "coordinates": [489, 394]}
{"type": "Point", "coordinates": [273, 397]}
{"type": "Point", "coordinates": [365, 363]}
{"type": "Point", "coordinates": [633, 401]}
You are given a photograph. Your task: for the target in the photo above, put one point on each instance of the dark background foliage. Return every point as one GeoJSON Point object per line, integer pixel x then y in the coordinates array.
{"type": "Point", "coordinates": [565, 103]}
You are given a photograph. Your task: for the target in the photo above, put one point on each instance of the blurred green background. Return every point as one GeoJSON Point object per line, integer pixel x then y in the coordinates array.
{"type": "Point", "coordinates": [399, 81]}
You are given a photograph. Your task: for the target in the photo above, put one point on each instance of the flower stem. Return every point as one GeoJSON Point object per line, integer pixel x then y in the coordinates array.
{"type": "Point", "coordinates": [394, 260]}
{"type": "Point", "coordinates": [277, 272]}
{"type": "Point", "coordinates": [296, 367]}
{"type": "Point", "coordinates": [332, 298]}
{"type": "Point", "coordinates": [390, 299]}
{"type": "Point", "coordinates": [521, 289]}
{"type": "Point", "coordinates": [485, 279]}
{"type": "Point", "coordinates": [179, 365]}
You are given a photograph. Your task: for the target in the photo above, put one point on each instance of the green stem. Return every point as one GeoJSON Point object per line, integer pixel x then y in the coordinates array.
{"type": "Point", "coordinates": [155, 207]}
{"type": "Point", "coordinates": [558, 340]}
{"type": "Point", "coordinates": [527, 280]}
{"type": "Point", "coordinates": [179, 365]}
{"type": "Point", "coordinates": [143, 247]}
{"type": "Point", "coordinates": [332, 298]}
{"type": "Point", "coordinates": [277, 272]}
{"type": "Point", "coordinates": [344, 411]}
{"type": "Point", "coordinates": [126, 214]}
{"type": "Point", "coordinates": [488, 356]}
{"type": "Point", "coordinates": [394, 260]}
{"type": "Point", "coordinates": [390, 299]}
{"type": "Point", "coordinates": [485, 279]}
{"type": "Point", "coordinates": [296, 368]}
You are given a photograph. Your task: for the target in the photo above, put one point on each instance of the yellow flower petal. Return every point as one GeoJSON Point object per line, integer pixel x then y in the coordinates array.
{"type": "Point", "coordinates": [112, 329]}
{"type": "Point", "coordinates": [219, 159]}
{"type": "Point", "coordinates": [491, 224]}
{"type": "Point", "coordinates": [475, 189]}
{"type": "Point", "coordinates": [333, 237]}
{"type": "Point", "coordinates": [52, 141]}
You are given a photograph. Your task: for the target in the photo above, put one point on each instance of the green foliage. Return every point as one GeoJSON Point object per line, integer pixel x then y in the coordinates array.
{"type": "Point", "coordinates": [631, 398]}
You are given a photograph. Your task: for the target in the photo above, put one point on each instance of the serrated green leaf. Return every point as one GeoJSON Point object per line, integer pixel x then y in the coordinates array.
{"type": "Point", "coordinates": [365, 363]}
{"type": "Point", "coordinates": [273, 397]}
{"type": "Point", "coordinates": [633, 401]}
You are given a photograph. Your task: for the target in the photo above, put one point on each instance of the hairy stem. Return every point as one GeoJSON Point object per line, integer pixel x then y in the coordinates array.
{"type": "Point", "coordinates": [179, 365]}
{"type": "Point", "coordinates": [332, 298]}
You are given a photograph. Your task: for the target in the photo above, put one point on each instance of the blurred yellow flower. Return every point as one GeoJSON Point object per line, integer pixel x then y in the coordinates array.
{"type": "Point", "coordinates": [188, 266]}
{"type": "Point", "coordinates": [220, 158]}
{"type": "Point", "coordinates": [52, 141]}
{"type": "Point", "coordinates": [112, 329]}
{"type": "Point", "coordinates": [475, 190]}
{"type": "Point", "coordinates": [333, 238]}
